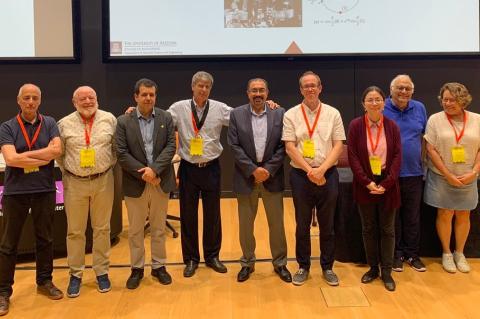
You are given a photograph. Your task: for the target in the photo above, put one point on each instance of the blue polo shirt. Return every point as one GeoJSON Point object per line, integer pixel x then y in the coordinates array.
{"type": "Point", "coordinates": [412, 122]}
{"type": "Point", "coordinates": [15, 180]}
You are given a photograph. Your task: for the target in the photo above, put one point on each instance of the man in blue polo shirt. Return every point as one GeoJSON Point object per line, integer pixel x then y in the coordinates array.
{"type": "Point", "coordinates": [411, 118]}
{"type": "Point", "coordinates": [29, 142]}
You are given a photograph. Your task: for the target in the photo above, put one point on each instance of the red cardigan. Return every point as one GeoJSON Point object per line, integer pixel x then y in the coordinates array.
{"type": "Point", "coordinates": [360, 165]}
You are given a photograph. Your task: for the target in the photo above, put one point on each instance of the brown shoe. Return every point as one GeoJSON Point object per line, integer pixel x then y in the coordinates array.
{"type": "Point", "coordinates": [48, 289]}
{"type": "Point", "coordinates": [4, 304]}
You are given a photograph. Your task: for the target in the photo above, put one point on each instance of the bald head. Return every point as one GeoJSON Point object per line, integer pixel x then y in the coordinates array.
{"type": "Point", "coordinates": [29, 99]}
{"type": "Point", "coordinates": [401, 78]}
{"type": "Point", "coordinates": [401, 90]}
{"type": "Point", "coordinates": [30, 87]}
{"type": "Point", "coordinates": [83, 89]}
{"type": "Point", "coordinates": [85, 101]}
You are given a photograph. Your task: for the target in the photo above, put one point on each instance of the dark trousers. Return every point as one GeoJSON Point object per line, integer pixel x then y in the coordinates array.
{"type": "Point", "coordinates": [407, 222]}
{"type": "Point", "coordinates": [196, 181]}
{"type": "Point", "coordinates": [378, 231]}
{"type": "Point", "coordinates": [15, 211]}
{"type": "Point", "coordinates": [307, 196]}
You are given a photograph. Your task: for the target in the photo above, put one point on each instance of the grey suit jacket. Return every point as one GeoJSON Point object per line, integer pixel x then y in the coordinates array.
{"type": "Point", "coordinates": [240, 138]}
{"type": "Point", "coordinates": [132, 156]}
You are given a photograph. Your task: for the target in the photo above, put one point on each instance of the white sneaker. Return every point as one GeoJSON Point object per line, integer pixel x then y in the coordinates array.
{"type": "Point", "coordinates": [461, 262]}
{"type": "Point", "coordinates": [448, 263]}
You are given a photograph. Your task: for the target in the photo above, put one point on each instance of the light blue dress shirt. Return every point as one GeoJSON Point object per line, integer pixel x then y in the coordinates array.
{"type": "Point", "coordinates": [147, 126]}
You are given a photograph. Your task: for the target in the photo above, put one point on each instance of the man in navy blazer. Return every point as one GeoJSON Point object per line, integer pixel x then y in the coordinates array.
{"type": "Point", "coordinates": [254, 134]}
{"type": "Point", "coordinates": [145, 141]}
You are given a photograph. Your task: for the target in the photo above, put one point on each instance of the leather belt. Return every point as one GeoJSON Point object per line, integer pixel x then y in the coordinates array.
{"type": "Point", "coordinates": [203, 164]}
{"type": "Point", "coordinates": [93, 176]}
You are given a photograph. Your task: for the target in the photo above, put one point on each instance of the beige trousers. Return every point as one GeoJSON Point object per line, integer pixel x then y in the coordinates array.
{"type": "Point", "coordinates": [84, 197]}
{"type": "Point", "coordinates": [152, 204]}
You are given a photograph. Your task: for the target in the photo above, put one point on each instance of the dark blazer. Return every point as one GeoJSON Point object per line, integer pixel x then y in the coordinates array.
{"type": "Point", "coordinates": [132, 156]}
{"type": "Point", "coordinates": [240, 138]}
{"type": "Point", "coordinates": [360, 164]}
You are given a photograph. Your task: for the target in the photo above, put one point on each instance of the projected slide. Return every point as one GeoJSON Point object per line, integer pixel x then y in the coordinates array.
{"type": "Point", "coordinates": [278, 27]}
{"type": "Point", "coordinates": [17, 15]}
{"type": "Point", "coordinates": [36, 29]}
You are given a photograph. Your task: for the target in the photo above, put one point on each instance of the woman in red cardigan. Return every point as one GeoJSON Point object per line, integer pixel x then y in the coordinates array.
{"type": "Point", "coordinates": [374, 154]}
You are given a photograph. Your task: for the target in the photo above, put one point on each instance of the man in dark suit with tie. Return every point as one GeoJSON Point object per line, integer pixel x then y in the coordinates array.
{"type": "Point", "coordinates": [145, 141]}
{"type": "Point", "coordinates": [254, 134]}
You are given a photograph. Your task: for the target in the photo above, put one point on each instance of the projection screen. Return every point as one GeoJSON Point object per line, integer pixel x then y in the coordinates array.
{"type": "Point", "coordinates": [185, 28]}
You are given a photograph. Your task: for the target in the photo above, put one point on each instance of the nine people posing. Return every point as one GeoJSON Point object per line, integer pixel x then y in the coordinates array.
{"type": "Point", "coordinates": [384, 151]}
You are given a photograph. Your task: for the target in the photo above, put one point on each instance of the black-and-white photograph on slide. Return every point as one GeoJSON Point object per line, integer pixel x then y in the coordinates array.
{"type": "Point", "coordinates": [263, 13]}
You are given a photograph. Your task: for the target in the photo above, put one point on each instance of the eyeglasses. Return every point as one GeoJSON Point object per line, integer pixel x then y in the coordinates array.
{"type": "Point", "coordinates": [309, 86]}
{"type": "Point", "coordinates": [449, 100]}
{"type": "Point", "coordinates": [404, 88]}
{"type": "Point", "coordinates": [261, 90]}
{"type": "Point", "coordinates": [372, 101]}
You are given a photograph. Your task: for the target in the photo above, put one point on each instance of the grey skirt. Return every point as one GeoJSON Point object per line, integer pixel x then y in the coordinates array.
{"type": "Point", "coordinates": [439, 193]}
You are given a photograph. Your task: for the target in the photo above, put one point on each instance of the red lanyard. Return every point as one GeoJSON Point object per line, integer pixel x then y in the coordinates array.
{"type": "Point", "coordinates": [369, 133]}
{"type": "Point", "coordinates": [25, 134]}
{"type": "Point", "coordinates": [458, 137]}
{"type": "Point", "coordinates": [311, 129]}
{"type": "Point", "coordinates": [89, 130]}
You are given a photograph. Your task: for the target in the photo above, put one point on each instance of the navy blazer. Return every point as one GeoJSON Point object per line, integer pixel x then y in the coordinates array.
{"type": "Point", "coordinates": [132, 155]}
{"type": "Point", "coordinates": [240, 138]}
{"type": "Point", "coordinates": [360, 164]}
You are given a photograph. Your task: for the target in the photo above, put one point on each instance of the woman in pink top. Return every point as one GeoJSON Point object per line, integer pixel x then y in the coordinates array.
{"type": "Point", "coordinates": [374, 154]}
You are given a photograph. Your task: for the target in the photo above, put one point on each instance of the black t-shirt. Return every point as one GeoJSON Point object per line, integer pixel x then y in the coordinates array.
{"type": "Point", "coordinates": [15, 180]}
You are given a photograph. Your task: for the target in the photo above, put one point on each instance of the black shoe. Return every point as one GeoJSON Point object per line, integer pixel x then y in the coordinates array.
{"type": "Point", "coordinates": [50, 290]}
{"type": "Point", "coordinates": [370, 275]}
{"type": "Point", "coordinates": [190, 268]}
{"type": "Point", "coordinates": [388, 282]}
{"type": "Point", "coordinates": [162, 275]}
{"type": "Point", "coordinates": [4, 305]}
{"type": "Point", "coordinates": [216, 265]}
{"type": "Point", "coordinates": [244, 273]}
{"type": "Point", "coordinates": [398, 264]}
{"type": "Point", "coordinates": [416, 264]}
{"type": "Point", "coordinates": [135, 277]}
{"type": "Point", "coordinates": [283, 273]}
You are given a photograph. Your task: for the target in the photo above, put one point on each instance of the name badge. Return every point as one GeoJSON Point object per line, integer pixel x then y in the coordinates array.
{"type": "Point", "coordinates": [87, 157]}
{"type": "Point", "coordinates": [376, 165]}
{"type": "Point", "coordinates": [196, 146]}
{"type": "Point", "coordinates": [33, 169]}
{"type": "Point", "coordinates": [458, 154]}
{"type": "Point", "coordinates": [308, 149]}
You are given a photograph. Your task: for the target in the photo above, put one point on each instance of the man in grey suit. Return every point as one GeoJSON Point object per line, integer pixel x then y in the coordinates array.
{"type": "Point", "coordinates": [254, 134]}
{"type": "Point", "coordinates": [145, 147]}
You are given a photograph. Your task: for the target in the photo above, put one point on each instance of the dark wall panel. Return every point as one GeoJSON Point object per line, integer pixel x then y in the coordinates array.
{"type": "Point", "coordinates": [343, 79]}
